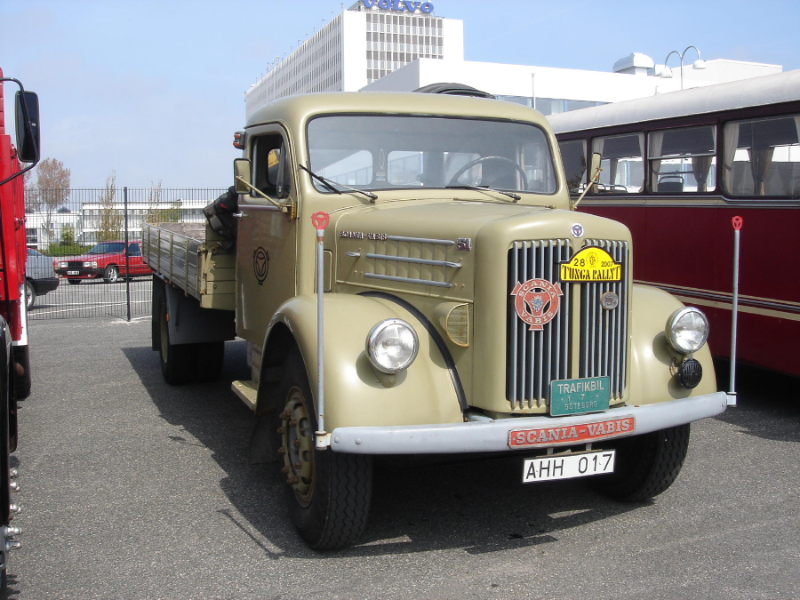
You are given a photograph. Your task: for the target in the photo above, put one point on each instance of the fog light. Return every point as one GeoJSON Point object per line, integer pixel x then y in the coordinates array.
{"type": "Point", "coordinates": [690, 373]}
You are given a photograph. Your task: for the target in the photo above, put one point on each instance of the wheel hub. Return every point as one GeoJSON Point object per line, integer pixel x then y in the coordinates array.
{"type": "Point", "coordinates": [297, 446]}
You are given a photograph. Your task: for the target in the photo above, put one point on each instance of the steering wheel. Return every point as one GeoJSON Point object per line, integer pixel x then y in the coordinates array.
{"type": "Point", "coordinates": [483, 159]}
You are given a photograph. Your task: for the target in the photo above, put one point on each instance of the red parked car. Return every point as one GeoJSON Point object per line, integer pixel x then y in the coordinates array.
{"type": "Point", "coordinates": [106, 260]}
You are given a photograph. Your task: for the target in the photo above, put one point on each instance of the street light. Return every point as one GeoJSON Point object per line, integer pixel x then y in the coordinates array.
{"type": "Point", "coordinates": [698, 64]}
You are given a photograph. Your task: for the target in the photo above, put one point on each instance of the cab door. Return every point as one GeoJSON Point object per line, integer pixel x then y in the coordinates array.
{"type": "Point", "coordinates": [267, 238]}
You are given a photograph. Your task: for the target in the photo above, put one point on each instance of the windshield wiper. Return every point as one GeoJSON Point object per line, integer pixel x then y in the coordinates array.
{"type": "Point", "coordinates": [483, 188]}
{"type": "Point", "coordinates": [330, 185]}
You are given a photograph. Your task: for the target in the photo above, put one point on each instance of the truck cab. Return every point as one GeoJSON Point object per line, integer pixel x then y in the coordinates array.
{"type": "Point", "coordinates": [467, 309]}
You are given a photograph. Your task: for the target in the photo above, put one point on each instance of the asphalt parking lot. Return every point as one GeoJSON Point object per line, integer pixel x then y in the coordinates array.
{"type": "Point", "coordinates": [133, 489]}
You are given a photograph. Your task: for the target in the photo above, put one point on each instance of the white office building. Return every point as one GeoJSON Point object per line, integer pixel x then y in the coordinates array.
{"type": "Point", "coordinates": [359, 46]}
{"type": "Point", "coordinates": [402, 45]}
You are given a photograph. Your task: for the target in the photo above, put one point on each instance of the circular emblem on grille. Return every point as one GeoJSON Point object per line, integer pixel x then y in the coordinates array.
{"type": "Point", "coordinates": [609, 301]}
{"type": "Point", "coordinates": [577, 230]}
{"type": "Point", "coordinates": [536, 302]}
{"type": "Point", "coordinates": [260, 264]}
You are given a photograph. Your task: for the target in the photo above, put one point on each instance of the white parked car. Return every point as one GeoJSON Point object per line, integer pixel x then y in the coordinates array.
{"type": "Point", "coordinates": [40, 277]}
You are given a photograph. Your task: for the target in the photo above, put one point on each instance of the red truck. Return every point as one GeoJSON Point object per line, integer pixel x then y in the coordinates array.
{"type": "Point", "coordinates": [15, 374]}
{"type": "Point", "coordinates": [109, 260]}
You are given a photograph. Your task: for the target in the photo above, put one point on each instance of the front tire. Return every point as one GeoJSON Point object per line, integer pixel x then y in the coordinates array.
{"type": "Point", "coordinates": [111, 274]}
{"type": "Point", "coordinates": [30, 294]}
{"type": "Point", "coordinates": [329, 492]}
{"type": "Point", "coordinates": [646, 465]}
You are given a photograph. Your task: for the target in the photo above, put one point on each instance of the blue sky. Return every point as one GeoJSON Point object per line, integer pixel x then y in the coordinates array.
{"type": "Point", "coordinates": [153, 90]}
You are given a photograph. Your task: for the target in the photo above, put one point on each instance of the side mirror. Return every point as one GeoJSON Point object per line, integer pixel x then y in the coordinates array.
{"type": "Point", "coordinates": [241, 171]}
{"type": "Point", "coordinates": [27, 118]}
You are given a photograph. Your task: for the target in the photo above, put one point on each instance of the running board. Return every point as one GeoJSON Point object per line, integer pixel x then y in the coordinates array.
{"type": "Point", "coordinates": [247, 391]}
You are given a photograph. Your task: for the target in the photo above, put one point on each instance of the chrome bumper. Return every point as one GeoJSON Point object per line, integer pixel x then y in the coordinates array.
{"type": "Point", "coordinates": [495, 435]}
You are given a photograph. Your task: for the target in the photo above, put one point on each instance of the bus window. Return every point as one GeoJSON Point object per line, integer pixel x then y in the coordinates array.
{"type": "Point", "coordinates": [573, 155]}
{"type": "Point", "coordinates": [623, 169]}
{"type": "Point", "coordinates": [683, 160]}
{"type": "Point", "coordinates": [762, 157]}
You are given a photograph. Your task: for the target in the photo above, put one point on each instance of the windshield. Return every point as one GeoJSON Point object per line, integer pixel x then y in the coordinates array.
{"type": "Point", "coordinates": [383, 152]}
{"type": "Point", "coordinates": [108, 248]}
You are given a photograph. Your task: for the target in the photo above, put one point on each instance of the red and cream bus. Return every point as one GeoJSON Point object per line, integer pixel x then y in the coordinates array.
{"type": "Point", "coordinates": [677, 168]}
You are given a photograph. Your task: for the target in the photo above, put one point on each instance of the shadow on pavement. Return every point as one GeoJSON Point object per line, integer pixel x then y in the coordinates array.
{"type": "Point", "coordinates": [479, 506]}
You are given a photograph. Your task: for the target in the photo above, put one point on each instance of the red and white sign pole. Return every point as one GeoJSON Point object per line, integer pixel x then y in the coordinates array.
{"type": "Point", "coordinates": [320, 220]}
{"type": "Point", "coordinates": [737, 223]}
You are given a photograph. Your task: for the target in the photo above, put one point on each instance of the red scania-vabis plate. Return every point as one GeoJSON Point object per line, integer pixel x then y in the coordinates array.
{"type": "Point", "coordinates": [571, 434]}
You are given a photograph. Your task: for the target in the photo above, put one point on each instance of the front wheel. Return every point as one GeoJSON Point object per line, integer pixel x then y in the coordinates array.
{"type": "Point", "coordinates": [111, 274]}
{"type": "Point", "coordinates": [30, 294]}
{"type": "Point", "coordinates": [646, 465]}
{"type": "Point", "coordinates": [329, 492]}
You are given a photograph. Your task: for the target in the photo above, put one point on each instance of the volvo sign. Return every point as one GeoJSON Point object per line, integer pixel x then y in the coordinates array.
{"type": "Point", "coordinates": [400, 5]}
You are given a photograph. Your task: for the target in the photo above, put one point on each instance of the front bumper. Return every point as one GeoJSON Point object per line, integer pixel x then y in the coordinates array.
{"type": "Point", "coordinates": [43, 286]}
{"type": "Point", "coordinates": [495, 435]}
{"type": "Point", "coordinates": [81, 273]}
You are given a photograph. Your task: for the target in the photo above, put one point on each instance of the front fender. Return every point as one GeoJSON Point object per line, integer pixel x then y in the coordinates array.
{"type": "Point", "coordinates": [355, 393]}
{"type": "Point", "coordinates": [652, 371]}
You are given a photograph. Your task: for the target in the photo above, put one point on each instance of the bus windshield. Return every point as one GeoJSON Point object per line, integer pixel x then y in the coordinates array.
{"type": "Point", "coordinates": [382, 152]}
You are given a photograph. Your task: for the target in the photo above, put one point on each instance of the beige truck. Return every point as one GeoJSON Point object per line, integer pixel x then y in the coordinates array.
{"type": "Point", "coordinates": [466, 308]}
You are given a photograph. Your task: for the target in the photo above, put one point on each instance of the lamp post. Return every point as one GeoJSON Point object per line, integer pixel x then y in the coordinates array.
{"type": "Point", "coordinates": [698, 64]}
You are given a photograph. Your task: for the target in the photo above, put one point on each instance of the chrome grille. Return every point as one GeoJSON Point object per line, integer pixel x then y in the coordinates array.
{"type": "Point", "coordinates": [604, 333]}
{"type": "Point", "coordinates": [535, 358]}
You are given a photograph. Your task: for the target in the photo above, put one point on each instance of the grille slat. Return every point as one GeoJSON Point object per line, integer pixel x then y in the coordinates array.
{"type": "Point", "coordinates": [536, 358]}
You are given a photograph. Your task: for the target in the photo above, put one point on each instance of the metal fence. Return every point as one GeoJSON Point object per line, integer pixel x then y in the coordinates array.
{"type": "Point", "coordinates": [86, 243]}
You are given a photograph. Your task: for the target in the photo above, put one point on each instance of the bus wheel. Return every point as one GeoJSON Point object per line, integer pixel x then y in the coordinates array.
{"type": "Point", "coordinates": [329, 492]}
{"type": "Point", "coordinates": [177, 360]}
{"type": "Point", "coordinates": [646, 465]}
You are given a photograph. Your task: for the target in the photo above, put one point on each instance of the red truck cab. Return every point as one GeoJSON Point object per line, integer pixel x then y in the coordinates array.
{"type": "Point", "coordinates": [109, 260]}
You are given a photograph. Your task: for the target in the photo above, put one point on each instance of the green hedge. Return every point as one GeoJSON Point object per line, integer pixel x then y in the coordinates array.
{"type": "Point", "coordinates": [63, 249]}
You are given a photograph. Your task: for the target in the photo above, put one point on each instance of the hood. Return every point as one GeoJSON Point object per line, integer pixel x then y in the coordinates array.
{"type": "Point", "coordinates": [433, 245]}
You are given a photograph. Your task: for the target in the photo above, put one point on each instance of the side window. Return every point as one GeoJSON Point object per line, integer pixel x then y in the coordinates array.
{"type": "Point", "coordinates": [622, 164]}
{"type": "Point", "coordinates": [683, 160]}
{"type": "Point", "coordinates": [271, 168]}
{"type": "Point", "coordinates": [134, 250]}
{"type": "Point", "coordinates": [762, 157]}
{"type": "Point", "coordinates": [573, 155]}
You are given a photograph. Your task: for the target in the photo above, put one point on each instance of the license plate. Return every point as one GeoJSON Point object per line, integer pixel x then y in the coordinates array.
{"type": "Point", "coordinates": [73, 272]}
{"type": "Point", "coordinates": [579, 396]}
{"type": "Point", "coordinates": [568, 466]}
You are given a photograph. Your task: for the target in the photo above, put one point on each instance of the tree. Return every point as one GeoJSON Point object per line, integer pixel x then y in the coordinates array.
{"type": "Point", "coordinates": [68, 234]}
{"type": "Point", "coordinates": [51, 191]}
{"type": "Point", "coordinates": [110, 226]}
{"type": "Point", "coordinates": [156, 213]}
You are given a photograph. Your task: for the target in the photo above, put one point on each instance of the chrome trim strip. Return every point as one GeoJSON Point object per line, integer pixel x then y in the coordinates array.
{"type": "Point", "coordinates": [408, 280]}
{"type": "Point", "coordinates": [416, 240]}
{"type": "Point", "coordinates": [493, 435]}
{"type": "Point", "coordinates": [416, 261]}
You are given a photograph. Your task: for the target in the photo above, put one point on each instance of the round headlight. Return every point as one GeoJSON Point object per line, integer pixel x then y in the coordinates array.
{"type": "Point", "coordinates": [392, 346]}
{"type": "Point", "coordinates": [687, 330]}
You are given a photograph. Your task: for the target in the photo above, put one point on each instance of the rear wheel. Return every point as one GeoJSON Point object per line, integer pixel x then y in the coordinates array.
{"type": "Point", "coordinates": [210, 358]}
{"type": "Point", "coordinates": [30, 294]}
{"type": "Point", "coordinates": [646, 465]}
{"type": "Point", "coordinates": [177, 360]}
{"type": "Point", "coordinates": [329, 492]}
